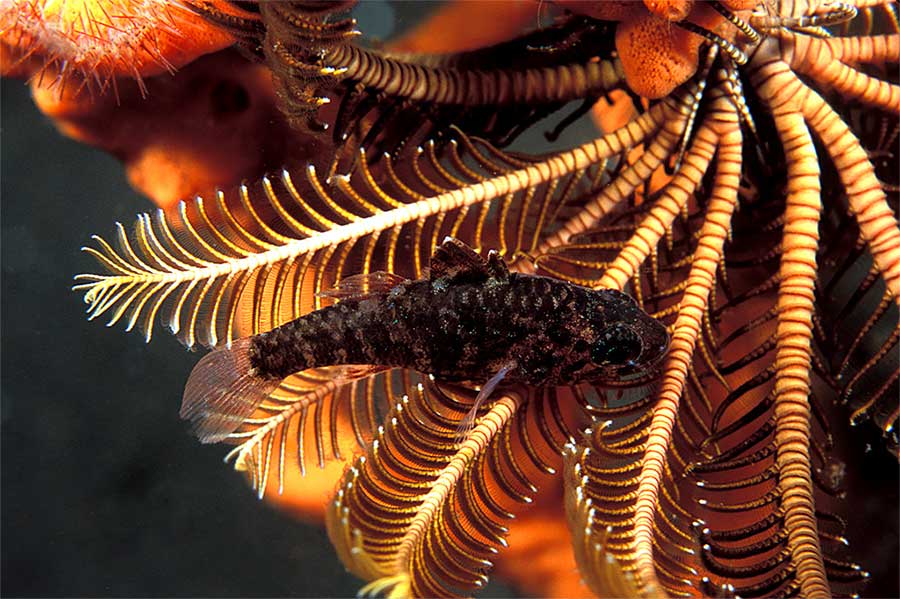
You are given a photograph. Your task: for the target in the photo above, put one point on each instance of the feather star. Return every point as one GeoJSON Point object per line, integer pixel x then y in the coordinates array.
{"type": "Point", "coordinates": [744, 191]}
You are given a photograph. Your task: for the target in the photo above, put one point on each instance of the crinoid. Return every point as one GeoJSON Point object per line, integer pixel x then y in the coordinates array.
{"type": "Point", "coordinates": [768, 242]}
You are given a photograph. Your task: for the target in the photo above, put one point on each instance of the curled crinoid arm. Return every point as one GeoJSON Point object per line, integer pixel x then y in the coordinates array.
{"type": "Point", "coordinates": [315, 62]}
{"type": "Point", "coordinates": [498, 103]}
{"type": "Point", "coordinates": [867, 374]}
{"type": "Point", "coordinates": [877, 221]}
{"type": "Point", "coordinates": [823, 61]}
{"type": "Point", "coordinates": [470, 87]}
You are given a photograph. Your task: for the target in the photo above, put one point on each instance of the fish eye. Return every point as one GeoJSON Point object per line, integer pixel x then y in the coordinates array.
{"type": "Point", "coordinates": [618, 344]}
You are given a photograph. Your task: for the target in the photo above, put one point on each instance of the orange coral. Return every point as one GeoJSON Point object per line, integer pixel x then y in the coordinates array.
{"type": "Point", "coordinates": [657, 54]}
{"type": "Point", "coordinates": [211, 125]}
{"type": "Point", "coordinates": [179, 134]}
{"type": "Point", "coordinates": [97, 41]}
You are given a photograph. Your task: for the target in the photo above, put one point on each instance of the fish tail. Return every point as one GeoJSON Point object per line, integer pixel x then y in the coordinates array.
{"type": "Point", "coordinates": [224, 389]}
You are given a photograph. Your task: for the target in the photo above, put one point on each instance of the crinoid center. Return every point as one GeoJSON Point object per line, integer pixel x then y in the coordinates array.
{"type": "Point", "coordinates": [657, 39]}
{"type": "Point", "coordinates": [658, 54]}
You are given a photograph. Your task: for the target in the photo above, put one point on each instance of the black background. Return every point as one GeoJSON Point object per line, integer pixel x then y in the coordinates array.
{"type": "Point", "coordinates": [104, 491]}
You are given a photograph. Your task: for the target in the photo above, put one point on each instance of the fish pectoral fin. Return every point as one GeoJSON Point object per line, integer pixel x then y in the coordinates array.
{"type": "Point", "coordinates": [456, 261]}
{"type": "Point", "coordinates": [468, 422]}
{"type": "Point", "coordinates": [345, 373]}
{"type": "Point", "coordinates": [364, 285]}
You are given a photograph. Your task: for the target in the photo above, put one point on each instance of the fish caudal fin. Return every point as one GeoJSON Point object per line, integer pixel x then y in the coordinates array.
{"type": "Point", "coordinates": [223, 391]}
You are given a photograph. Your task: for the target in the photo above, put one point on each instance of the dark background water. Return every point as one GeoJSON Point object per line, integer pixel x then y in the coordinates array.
{"type": "Point", "coordinates": [104, 492]}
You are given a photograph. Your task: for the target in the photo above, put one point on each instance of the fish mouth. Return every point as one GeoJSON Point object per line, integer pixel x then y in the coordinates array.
{"type": "Point", "coordinates": [635, 373]}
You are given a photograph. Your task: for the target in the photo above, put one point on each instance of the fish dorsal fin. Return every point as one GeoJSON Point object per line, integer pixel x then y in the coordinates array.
{"type": "Point", "coordinates": [365, 285]}
{"type": "Point", "coordinates": [456, 261]}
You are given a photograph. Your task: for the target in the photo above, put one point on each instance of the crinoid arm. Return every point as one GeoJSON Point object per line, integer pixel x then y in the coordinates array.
{"type": "Point", "coordinates": [603, 573]}
{"type": "Point", "coordinates": [279, 243]}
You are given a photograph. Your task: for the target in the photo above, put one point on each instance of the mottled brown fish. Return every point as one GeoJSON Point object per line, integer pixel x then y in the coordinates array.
{"type": "Point", "coordinates": [470, 320]}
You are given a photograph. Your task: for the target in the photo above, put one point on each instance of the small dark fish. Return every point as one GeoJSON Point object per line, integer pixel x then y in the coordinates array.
{"type": "Point", "coordinates": [470, 320]}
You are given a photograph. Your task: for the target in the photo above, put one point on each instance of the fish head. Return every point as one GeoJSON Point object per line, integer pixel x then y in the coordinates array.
{"type": "Point", "coordinates": [625, 345]}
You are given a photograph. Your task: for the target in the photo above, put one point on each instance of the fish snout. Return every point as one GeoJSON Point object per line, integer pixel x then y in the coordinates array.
{"type": "Point", "coordinates": [656, 344]}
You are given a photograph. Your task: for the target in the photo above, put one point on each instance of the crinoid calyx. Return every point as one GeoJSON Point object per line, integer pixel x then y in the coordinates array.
{"type": "Point", "coordinates": [753, 209]}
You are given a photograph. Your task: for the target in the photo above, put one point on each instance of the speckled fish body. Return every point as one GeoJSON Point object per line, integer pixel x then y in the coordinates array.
{"type": "Point", "coordinates": [468, 320]}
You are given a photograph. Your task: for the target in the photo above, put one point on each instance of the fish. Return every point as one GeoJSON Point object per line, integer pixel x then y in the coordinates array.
{"type": "Point", "coordinates": [469, 320]}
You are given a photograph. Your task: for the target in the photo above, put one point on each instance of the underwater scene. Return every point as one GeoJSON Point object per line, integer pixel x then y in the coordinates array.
{"type": "Point", "coordinates": [495, 298]}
